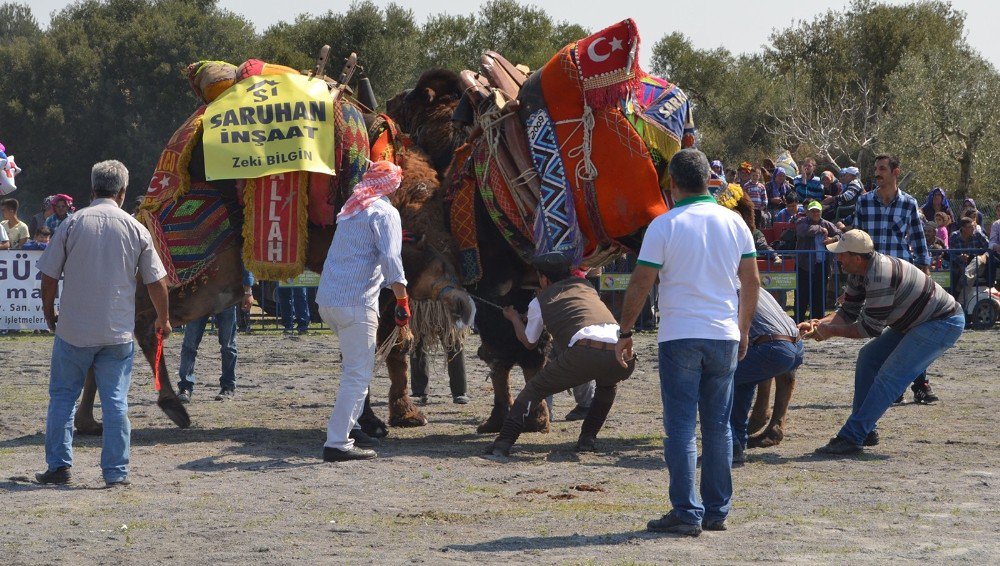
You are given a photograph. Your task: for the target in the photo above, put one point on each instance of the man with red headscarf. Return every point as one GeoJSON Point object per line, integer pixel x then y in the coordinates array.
{"type": "Point", "coordinates": [365, 256]}
{"type": "Point", "coordinates": [62, 205]}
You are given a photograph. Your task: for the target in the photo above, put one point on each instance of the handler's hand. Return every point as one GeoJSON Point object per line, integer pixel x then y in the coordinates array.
{"type": "Point", "coordinates": [51, 318]}
{"type": "Point", "coordinates": [511, 314]}
{"type": "Point", "coordinates": [623, 351]}
{"type": "Point", "coordinates": [744, 346]}
{"type": "Point", "coordinates": [162, 326]}
{"type": "Point", "coordinates": [806, 327]}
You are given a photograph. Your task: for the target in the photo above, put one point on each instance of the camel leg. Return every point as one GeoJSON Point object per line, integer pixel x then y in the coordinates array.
{"type": "Point", "coordinates": [145, 336]}
{"type": "Point", "coordinates": [402, 411]}
{"type": "Point", "coordinates": [85, 422]}
{"type": "Point", "coordinates": [761, 413]}
{"type": "Point", "coordinates": [538, 419]}
{"type": "Point", "coordinates": [370, 424]}
{"type": "Point", "coordinates": [500, 377]}
{"type": "Point", "coordinates": [775, 431]}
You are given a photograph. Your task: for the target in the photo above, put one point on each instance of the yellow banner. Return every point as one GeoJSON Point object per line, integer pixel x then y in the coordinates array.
{"type": "Point", "coordinates": [269, 124]}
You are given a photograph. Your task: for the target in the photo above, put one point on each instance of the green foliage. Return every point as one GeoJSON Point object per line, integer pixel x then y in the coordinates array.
{"type": "Point", "coordinates": [945, 116]}
{"type": "Point", "coordinates": [732, 96]}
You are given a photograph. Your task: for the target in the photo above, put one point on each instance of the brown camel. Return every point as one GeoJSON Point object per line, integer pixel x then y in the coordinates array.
{"type": "Point", "coordinates": [440, 303]}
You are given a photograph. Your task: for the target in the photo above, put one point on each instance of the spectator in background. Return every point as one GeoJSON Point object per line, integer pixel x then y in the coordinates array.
{"type": "Point", "coordinates": [717, 168]}
{"type": "Point", "coordinates": [294, 303]}
{"type": "Point", "coordinates": [994, 250]}
{"type": "Point", "coordinates": [40, 241]}
{"type": "Point", "coordinates": [935, 245]}
{"type": "Point", "coordinates": [943, 220]}
{"type": "Point", "coordinates": [792, 211]}
{"type": "Point", "coordinates": [225, 328]}
{"type": "Point", "coordinates": [812, 233]}
{"type": "Point", "coordinates": [889, 216]}
{"type": "Point", "coordinates": [966, 245]}
{"type": "Point", "coordinates": [17, 231]}
{"type": "Point", "coordinates": [62, 205]}
{"type": "Point", "coordinates": [937, 202]}
{"type": "Point", "coordinates": [831, 186]}
{"type": "Point", "coordinates": [807, 185]}
{"type": "Point", "coordinates": [967, 205]}
{"type": "Point", "coordinates": [4, 239]}
{"type": "Point", "coordinates": [777, 188]}
{"type": "Point", "coordinates": [841, 205]}
{"type": "Point", "coordinates": [38, 220]}
{"type": "Point", "coordinates": [750, 180]}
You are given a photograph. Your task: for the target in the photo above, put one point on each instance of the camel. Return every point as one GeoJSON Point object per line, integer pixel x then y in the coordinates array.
{"type": "Point", "coordinates": [439, 301]}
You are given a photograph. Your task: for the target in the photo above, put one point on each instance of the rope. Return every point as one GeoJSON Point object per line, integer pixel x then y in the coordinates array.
{"type": "Point", "coordinates": [585, 169]}
{"type": "Point", "coordinates": [158, 359]}
{"type": "Point", "coordinates": [485, 302]}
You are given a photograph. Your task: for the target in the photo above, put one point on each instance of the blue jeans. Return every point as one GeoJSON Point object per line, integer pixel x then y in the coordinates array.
{"type": "Point", "coordinates": [886, 365]}
{"type": "Point", "coordinates": [225, 327]}
{"type": "Point", "coordinates": [113, 371]}
{"type": "Point", "coordinates": [761, 362]}
{"type": "Point", "coordinates": [294, 305]}
{"type": "Point", "coordinates": [696, 377]}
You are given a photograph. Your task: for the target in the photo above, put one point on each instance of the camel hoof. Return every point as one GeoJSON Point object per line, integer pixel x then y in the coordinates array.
{"type": "Point", "coordinates": [493, 424]}
{"type": "Point", "coordinates": [409, 420]}
{"type": "Point", "coordinates": [373, 426]}
{"type": "Point", "coordinates": [92, 428]}
{"type": "Point", "coordinates": [177, 413]}
{"type": "Point", "coordinates": [770, 437]}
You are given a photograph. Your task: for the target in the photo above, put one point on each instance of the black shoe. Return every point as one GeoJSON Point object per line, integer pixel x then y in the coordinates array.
{"type": "Point", "coordinates": [363, 440]}
{"type": "Point", "coordinates": [578, 413]}
{"type": "Point", "coordinates": [461, 399]}
{"type": "Point", "coordinates": [303, 331]}
{"type": "Point", "coordinates": [421, 400]}
{"type": "Point", "coordinates": [839, 447]}
{"type": "Point", "coordinates": [355, 453]}
{"type": "Point", "coordinates": [923, 394]}
{"type": "Point", "coordinates": [184, 396]}
{"type": "Point", "coordinates": [124, 482]}
{"type": "Point", "coordinates": [586, 443]}
{"type": "Point", "coordinates": [58, 476]}
{"type": "Point", "coordinates": [669, 523]}
{"type": "Point", "coordinates": [714, 525]}
{"type": "Point", "coordinates": [739, 456]}
{"type": "Point", "coordinates": [872, 439]}
{"type": "Point", "coordinates": [226, 394]}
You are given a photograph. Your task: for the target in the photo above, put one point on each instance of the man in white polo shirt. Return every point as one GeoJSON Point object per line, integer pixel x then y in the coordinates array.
{"type": "Point", "coordinates": [703, 254]}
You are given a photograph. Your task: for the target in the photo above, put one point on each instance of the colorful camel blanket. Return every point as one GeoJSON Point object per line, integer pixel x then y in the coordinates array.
{"type": "Point", "coordinates": [615, 184]}
{"type": "Point", "coordinates": [190, 232]}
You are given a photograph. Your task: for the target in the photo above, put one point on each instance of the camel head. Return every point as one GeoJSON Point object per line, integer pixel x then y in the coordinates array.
{"type": "Point", "coordinates": [441, 306]}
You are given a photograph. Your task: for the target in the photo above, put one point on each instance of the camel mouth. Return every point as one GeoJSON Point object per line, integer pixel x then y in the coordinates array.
{"type": "Point", "coordinates": [467, 311]}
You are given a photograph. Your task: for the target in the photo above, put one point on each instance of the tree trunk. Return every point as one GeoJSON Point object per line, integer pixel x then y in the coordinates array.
{"type": "Point", "coordinates": [964, 174]}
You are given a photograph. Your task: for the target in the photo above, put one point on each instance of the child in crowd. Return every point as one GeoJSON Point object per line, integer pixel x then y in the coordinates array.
{"type": "Point", "coordinates": [40, 241]}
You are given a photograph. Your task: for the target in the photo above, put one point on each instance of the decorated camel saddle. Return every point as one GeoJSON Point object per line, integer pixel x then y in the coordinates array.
{"type": "Point", "coordinates": [295, 146]}
{"type": "Point", "coordinates": [571, 157]}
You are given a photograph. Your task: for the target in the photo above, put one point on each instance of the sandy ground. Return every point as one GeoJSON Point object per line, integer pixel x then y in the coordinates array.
{"type": "Point", "coordinates": [245, 484]}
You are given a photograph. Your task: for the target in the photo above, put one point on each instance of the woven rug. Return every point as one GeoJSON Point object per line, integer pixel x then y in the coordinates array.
{"type": "Point", "coordinates": [556, 228]}
{"type": "Point", "coordinates": [460, 199]}
{"type": "Point", "coordinates": [194, 229]}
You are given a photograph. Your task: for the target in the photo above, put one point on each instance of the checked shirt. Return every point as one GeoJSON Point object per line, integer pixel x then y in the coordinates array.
{"type": "Point", "coordinates": [896, 229]}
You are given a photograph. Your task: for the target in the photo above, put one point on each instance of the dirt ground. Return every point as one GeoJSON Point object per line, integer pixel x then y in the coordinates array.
{"type": "Point", "coordinates": [245, 484]}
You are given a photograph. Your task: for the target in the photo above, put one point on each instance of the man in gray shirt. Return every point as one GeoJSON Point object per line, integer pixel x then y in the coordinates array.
{"type": "Point", "coordinates": [98, 252]}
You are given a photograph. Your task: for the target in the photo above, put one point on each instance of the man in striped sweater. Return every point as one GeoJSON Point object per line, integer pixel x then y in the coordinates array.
{"type": "Point", "coordinates": [911, 319]}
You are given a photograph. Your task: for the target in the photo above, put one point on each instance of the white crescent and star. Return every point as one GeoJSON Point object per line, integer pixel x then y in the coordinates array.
{"type": "Point", "coordinates": [616, 44]}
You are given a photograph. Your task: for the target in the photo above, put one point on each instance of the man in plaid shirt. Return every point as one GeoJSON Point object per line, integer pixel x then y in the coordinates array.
{"type": "Point", "coordinates": [889, 216]}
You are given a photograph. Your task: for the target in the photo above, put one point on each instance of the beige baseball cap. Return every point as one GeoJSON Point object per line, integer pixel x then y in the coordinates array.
{"type": "Point", "coordinates": [855, 241]}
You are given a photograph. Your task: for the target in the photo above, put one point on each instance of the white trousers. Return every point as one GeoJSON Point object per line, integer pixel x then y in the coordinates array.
{"type": "Point", "coordinates": [355, 328]}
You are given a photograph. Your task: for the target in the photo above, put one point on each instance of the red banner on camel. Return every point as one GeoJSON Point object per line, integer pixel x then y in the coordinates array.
{"type": "Point", "coordinates": [275, 229]}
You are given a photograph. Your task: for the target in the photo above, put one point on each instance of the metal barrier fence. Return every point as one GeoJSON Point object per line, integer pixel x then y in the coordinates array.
{"type": "Point", "coordinates": [799, 282]}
